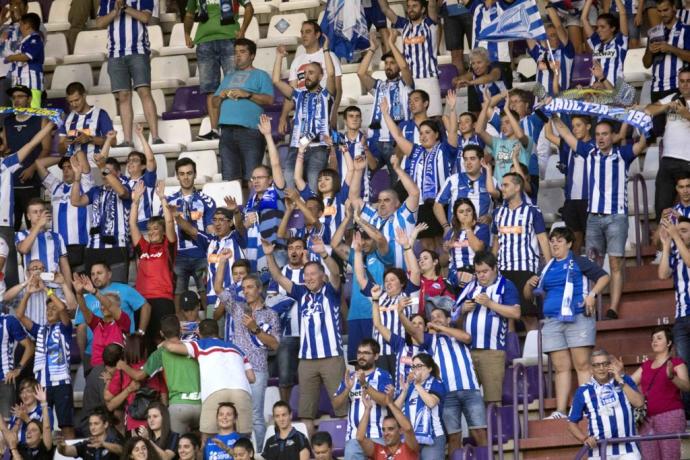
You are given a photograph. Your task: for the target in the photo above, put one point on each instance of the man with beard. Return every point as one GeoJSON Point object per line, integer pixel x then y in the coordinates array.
{"type": "Point", "coordinates": [366, 381]}
{"type": "Point", "coordinates": [396, 88]}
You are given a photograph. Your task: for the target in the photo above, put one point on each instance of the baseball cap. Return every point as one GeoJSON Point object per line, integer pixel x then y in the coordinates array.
{"type": "Point", "coordinates": [189, 300]}
{"type": "Point", "coordinates": [23, 88]}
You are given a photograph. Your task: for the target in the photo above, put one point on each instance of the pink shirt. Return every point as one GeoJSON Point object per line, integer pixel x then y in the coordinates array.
{"type": "Point", "coordinates": [661, 394]}
{"type": "Point", "coordinates": [106, 333]}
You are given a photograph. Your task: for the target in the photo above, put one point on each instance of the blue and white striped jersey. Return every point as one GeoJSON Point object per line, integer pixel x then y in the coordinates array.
{"type": "Point", "coordinates": [333, 209]}
{"type": "Point", "coordinates": [665, 66]}
{"type": "Point", "coordinates": [311, 119]}
{"type": "Point", "coordinates": [609, 413]}
{"type": "Point", "coordinates": [611, 55]}
{"type": "Point", "coordinates": [403, 358]}
{"type": "Point", "coordinates": [8, 166]}
{"type": "Point", "coordinates": [517, 230]}
{"type": "Point", "coordinates": [462, 186]}
{"type": "Point", "coordinates": [420, 46]}
{"type": "Point", "coordinates": [461, 253]}
{"type": "Point", "coordinates": [288, 313]}
{"type": "Point", "coordinates": [52, 359]}
{"type": "Point", "coordinates": [576, 187]}
{"type": "Point", "coordinates": [11, 332]}
{"type": "Point", "coordinates": [126, 35]}
{"type": "Point", "coordinates": [198, 209]}
{"type": "Point", "coordinates": [681, 283]}
{"type": "Point", "coordinates": [95, 122]}
{"type": "Point", "coordinates": [379, 379]}
{"type": "Point", "coordinates": [320, 322]}
{"type": "Point", "coordinates": [397, 93]}
{"type": "Point", "coordinates": [213, 245]}
{"type": "Point", "coordinates": [429, 168]}
{"type": "Point", "coordinates": [563, 57]}
{"type": "Point", "coordinates": [487, 328]}
{"type": "Point", "coordinates": [402, 218]}
{"type": "Point", "coordinates": [454, 361]}
{"type": "Point", "coordinates": [29, 73]}
{"type": "Point", "coordinates": [145, 209]}
{"type": "Point", "coordinates": [109, 214]}
{"type": "Point", "coordinates": [427, 422]}
{"type": "Point", "coordinates": [48, 247]}
{"type": "Point", "coordinates": [71, 222]}
{"type": "Point", "coordinates": [482, 16]}
{"type": "Point", "coordinates": [607, 177]}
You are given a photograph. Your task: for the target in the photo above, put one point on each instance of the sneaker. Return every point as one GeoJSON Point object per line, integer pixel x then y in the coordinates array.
{"type": "Point", "coordinates": [611, 314]}
{"type": "Point", "coordinates": [124, 144]}
{"type": "Point", "coordinates": [157, 141]}
{"type": "Point", "coordinates": [209, 136]}
{"type": "Point", "coordinates": [657, 258]}
{"type": "Point", "coordinates": [556, 415]}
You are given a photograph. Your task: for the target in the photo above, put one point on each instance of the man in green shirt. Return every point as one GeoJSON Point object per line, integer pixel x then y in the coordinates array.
{"type": "Point", "coordinates": [181, 377]}
{"type": "Point", "coordinates": [215, 47]}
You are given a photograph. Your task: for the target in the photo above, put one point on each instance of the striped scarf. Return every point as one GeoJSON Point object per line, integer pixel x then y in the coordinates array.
{"type": "Point", "coordinates": [51, 361]}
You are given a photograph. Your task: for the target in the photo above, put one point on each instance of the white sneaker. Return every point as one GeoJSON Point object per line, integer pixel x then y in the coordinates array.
{"type": "Point", "coordinates": [555, 415]}
{"type": "Point", "coordinates": [657, 258]}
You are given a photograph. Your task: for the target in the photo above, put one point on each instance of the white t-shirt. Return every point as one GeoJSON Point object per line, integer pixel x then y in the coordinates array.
{"type": "Point", "coordinates": [676, 133]}
{"type": "Point", "coordinates": [222, 365]}
{"type": "Point", "coordinates": [301, 60]}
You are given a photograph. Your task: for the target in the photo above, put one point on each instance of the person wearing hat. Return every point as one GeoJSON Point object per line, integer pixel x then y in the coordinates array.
{"type": "Point", "coordinates": [188, 314]}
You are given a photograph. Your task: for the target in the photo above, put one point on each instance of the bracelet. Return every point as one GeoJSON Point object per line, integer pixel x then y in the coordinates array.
{"type": "Point", "coordinates": [601, 80]}
{"type": "Point", "coordinates": [374, 299]}
{"type": "Point", "coordinates": [326, 256]}
{"type": "Point", "coordinates": [371, 49]}
{"type": "Point", "coordinates": [407, 248]}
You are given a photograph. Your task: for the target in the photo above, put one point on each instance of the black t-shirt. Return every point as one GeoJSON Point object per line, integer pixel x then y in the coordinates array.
{"type": "Point", "coordinates": [38, 453]}
{"type": "Point", "coordinates": [285, 449]}
{"type": "Point", "coordinates": [92, 453]}
{"type": "Point", "coordinates": [171, 444]}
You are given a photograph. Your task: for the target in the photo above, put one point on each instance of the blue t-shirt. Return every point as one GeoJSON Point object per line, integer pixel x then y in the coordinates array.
{"type": "Point", "coordinates": [375, 264]}
{"type": "Point", "coordinates": [554, 281]}
{"type": "Point", "coordinates": [213, 452]}
{"type": "Point", "coordinates": [503, 155]}
{"type": "Point", "coordinates": [244, 112]}
{"type": "Point", "coordinates": [130, 301]}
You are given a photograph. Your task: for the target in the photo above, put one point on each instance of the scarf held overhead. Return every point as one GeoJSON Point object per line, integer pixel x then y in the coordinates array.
{"type": "Point", "coordinates": [636, 118]}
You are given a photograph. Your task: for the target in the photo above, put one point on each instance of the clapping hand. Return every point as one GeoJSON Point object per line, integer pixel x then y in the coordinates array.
{"type": "Point", "coordinates": [267, 247]}
{"type": "Point", "coordinates": [138, 191]}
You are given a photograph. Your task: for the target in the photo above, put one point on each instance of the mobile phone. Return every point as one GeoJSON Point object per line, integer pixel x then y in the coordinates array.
{"type": "Point", "coordinates": [47, 276]}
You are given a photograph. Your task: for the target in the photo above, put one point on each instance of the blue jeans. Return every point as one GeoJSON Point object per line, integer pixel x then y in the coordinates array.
{"type": "Point", "coordinates": [287, 357]}
{"type": "Point", "coordinates": [353, 450]}
{"type": "Point", "coordinates": [210, 58]}
{"type": "Point", "coordinates": [463, 402]}
{"type": "Point", "coordinates": [241, 151]}
{"type": "Point", "coordinates": [681, 339]}
{"type": "Point", "coordinates": [127, 71]}
{"type": "Point", "coordinates": [435, 451]}
{"type": "Point", "coordinates": [315, 160]}
{"type": "Point", "coordinates": [258, 394]}
{"type": "Point", "coordinates": [186, 267]}
{"type": "Point", "coordinates": [385, 151]}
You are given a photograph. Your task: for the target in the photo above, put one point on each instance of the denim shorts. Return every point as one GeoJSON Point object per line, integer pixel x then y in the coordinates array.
{"type": "Point", "coordinates": [210, 58]}
{"type": "Point", "coordinates": [559, 335]}
{"type": "Point", "coordinates": [129, 72]}
{"type": "Point", "coordinates": [61, 398]}
{"type": "Point", "coordinates": [186, 267]}
{"type": "Point", "coordinates": [463, 402]}
{"type": "Point", "coordinates": [455, 28]}
{"type": "Point", "coordinates": [287, 357]}
{"type": "Point", "coordinates": [607, 233]}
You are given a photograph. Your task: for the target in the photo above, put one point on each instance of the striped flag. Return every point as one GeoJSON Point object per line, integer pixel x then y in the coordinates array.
{"type": "Point", "coordinates": [345, 26]}
{"type": "Point", "coordinates": [520, 21]}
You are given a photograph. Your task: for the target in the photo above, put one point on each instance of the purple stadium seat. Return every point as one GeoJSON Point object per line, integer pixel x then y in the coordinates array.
{"type": "Point", "coordinates": [582, 70]}
{"type": "Point", "coordinates": [278, 99]}
{"type": "Point", "coordinates": [532, 385]}
{"type": "Point", "coordinates": [464, 453]}
{"type": "Point", "coordinates": [512, 347]}
{"type": "Point", "coordinates": [446, 74]}
{"type": "Point", "coordinates": [294, 402]}
{"type": "Point", "coordinates": [337, 428]}
{"type": "Point", "coordinates": [380, 180]}
{"type": "Point", "coordinates": [296, 219]}
{"type": "Point", "coordinates": [188, 102]}
{"type": "Point", "coordinates": [325, 407]}
{"type": "Point", "coordinates": [506, 425]}
{"type": "Point", "coordinates": [75, 355]}
{"type": "Point", "coordinates": [273, 381]}
{"type": "Point", "coordinates": [56, 103]}
{"type": "Point", "coordinates": [275, 121]}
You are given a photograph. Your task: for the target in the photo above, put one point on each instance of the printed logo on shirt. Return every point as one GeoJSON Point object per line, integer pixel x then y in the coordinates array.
{"type": "Point", "coordinates": [196, 215]}
{"type": "Point", "coordinates": [155, 255]}
{"type": "Point", "coordinates": [511, 230]}
{"type": "Point", "coordinates": [610, 53]}
{"type": "Point", "coordinates": [330, 211]}
{"type": "Point", "coordinates": [213, 258]}
{"type": "Point", "coordinates": [416, 40]}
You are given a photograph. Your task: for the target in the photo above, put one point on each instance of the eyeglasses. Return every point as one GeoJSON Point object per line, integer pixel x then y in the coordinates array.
{"type": "Point", "coordinates": [417, 366]}
{"type": "Point", "coordinates": [258, 177]}
{"type": "Point", "coordinates": [604, 364]}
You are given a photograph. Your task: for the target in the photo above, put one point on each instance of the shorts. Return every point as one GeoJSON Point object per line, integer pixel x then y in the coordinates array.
{"type": "Point", "coordinates": [312, 373]}
{"type": "Point", "coordinates": [489, 365]}
{"type": "Point", "coordinates": [287, 357]}
{"type": "Point", "coordinates": [433, 89]}
{"type": "Point", "coordinates": [607, 233]}
{"type": "Point", "coordinates": [455, 28]}
{"type": "Point", "coordinates": [559, 335]}
{"type": "Point", "coordinates": [575, 215]}
{"type": "Point", "coordinates": [184, 417]}
{"type": "Point", "coordinates": [129, 72]}
{"type": "Point", "coordinates": [463, 402]}
{"type": "Point", "coordinates": [186, 267]}
{"type": "Point", "coordinates": [426, 215]}
{"type": "Point", "coordinates": [519, 279]}
{"type": "Point", "coordinates": [61, 398]}
{"type": "Point", "coordinates": [574, 19]}
{"type": "Point", "coordinates": [375, 16]}
{"type": "Point", "coordinates": [633, 30]}
{"type": "Point", "coordinates": [210, 58]}
{"type": "Point", "coordinates": [243, 403]}
{"type": "Point", "coordinates": [357, 330]}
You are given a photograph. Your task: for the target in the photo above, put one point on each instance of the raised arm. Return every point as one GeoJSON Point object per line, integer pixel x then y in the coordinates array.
{"type": "Point", "coordinates": [27, 148]}
{"type": "Point", "coordinates": [664, 271]}
{"type": "Point", "coordinates": [318, 246]}
{"type": "Point", "coordinates": [380, 240]}
{"type": "Point", "coordinates": [137, 193]}
{"type": "Point", "coordinates": [283, 87]}
{"type": "Point", "coordinates": [556, 21]}
{"type": "Point", "coordinates": [412, 200]}
{"type": "Point", "coordinates": [283, 230]}
{"type": "Point", "coordinates": [483, 120]}
{"type": "Point", "coordinates": [623, 17]}
{"type": "Point", "coordinates": [330, 70]}
{"type": "Point", "coordinates": [273, 268]}
{"type": "Point", "coordinates": [365, 79]}
{"type": "Point", "coordinates": [276, 170]}
{"type": "Point", "coordinates": [376, 292]}
{"type": "Point", "coordinates": [300, 183]}
{"type": "Point", "coordinates": [405, 72]}
{"type": "Point", "coordinates": [403, 144]}
{"type": "Point", "coordinates": [339, 247]}
{"type": "Point", "coordinates": [565, 133]}
{"type": "Point", "coordinates": [584, 19]}
{"type": "Point", "coordinates": [403, 421]}
{"type": "Point", "coordinates": [416, 334]}
{"type": "Point", "coordinates": [368, 446]}
{"type": "Point", "coordinates": [407, 243]}
{"type": "Point", "coordinates": [640, 146]}
{"type": "Point", "coordinates": [452, 118]}
{"type": "Point", "coordinates": [388, 11]}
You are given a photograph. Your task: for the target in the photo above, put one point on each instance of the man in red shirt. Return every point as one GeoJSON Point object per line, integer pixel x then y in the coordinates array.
{"type": "Point", "coordinates": [394, 424]}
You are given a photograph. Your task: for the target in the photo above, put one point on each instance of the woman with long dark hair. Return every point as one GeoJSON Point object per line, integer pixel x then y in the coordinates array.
{"type": "Point", "coordinates": [609, 43]}
{"type": "Point", "coordinates": [138, 448]}
{"type": "Point", "coordinates": [420, 400]}
{"type": "Point", "coordinates": [188, 447]}
{"type": "Point", "coordinates": [157, 430]}
{"type": "Point", "coordinates": [466, 238]}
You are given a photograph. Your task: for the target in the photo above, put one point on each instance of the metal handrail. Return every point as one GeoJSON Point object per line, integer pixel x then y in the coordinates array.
{"type": "Point", "coordinates": [584, 450]}
{"type": "Point", "coordinates": [519, 369]}
{"type": "Point", "coordinates": [490, 410]}
{"type": "Point", "coordinates": [644, 237]}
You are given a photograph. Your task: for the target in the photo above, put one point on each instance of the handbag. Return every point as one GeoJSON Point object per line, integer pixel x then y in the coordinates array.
{"type": "Point", "coordinates": [640, 413]}
{"type": "Point", "coordinates": [142, 399]}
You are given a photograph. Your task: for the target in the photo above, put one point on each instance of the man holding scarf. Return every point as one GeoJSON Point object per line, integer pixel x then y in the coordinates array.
{"type": "Point", "coordinates": [312, 114]}
{"type": "Point", "coordinates": [215, 45]}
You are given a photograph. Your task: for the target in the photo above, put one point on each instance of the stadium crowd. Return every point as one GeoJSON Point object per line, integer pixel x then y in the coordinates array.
{"type": "Point", "coordinates": [396, 299]}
